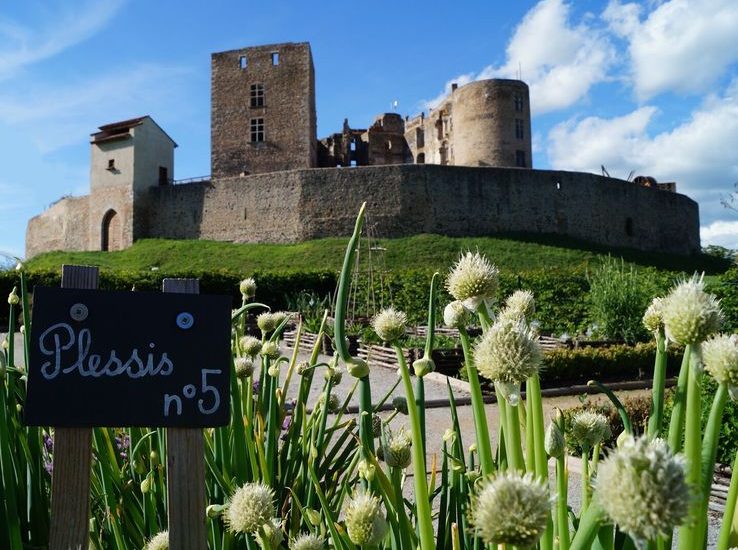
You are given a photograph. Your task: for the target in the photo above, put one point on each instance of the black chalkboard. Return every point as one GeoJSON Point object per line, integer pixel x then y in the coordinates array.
{"type": "Point", "coordinates": [101, 358]}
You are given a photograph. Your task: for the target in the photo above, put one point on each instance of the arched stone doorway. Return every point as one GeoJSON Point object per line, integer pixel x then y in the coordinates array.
{"type": "Point", "coordinates": [111, 234]}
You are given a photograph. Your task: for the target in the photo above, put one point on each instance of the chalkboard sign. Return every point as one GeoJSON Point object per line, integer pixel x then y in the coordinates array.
{"type": "Point", "coordinates": [101, 358]}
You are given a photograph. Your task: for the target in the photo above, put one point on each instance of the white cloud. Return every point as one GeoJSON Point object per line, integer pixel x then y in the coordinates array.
{"type": "Point", "coordinates": [699, 154]}
{"type": "Point", "coordinates": [681, 45]}
{"type": "Point", "coordinates": [722, 233]}
{"type": "Point", "coordinates": [459, 80]}
{"type": "Point", "coordinates": [559, 59]}
{"type": "Point", "coordinates": [22, 45]}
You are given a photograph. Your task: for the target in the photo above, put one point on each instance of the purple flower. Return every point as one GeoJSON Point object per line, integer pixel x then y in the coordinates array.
{"type": "Point", "coordinates": [287, 422]}
{"type": "Point", "coordinates": [48, 443]}
{"type": "Point", "coordinates": [49, 466]}
{"type": "Point", "coordinates": [256, 386]}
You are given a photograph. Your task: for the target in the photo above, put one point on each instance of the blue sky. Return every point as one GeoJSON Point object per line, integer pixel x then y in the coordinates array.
{"type": "Point", "coordinates": [649, 87]}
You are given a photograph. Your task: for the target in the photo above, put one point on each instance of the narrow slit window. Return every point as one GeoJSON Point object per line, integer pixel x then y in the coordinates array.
{"type": "Point", "coordinates": [518, 103]}
{"type": "Point", "coordinates": [257, 95]}
{"type": "Point", "coordinates": [243, 62]}
{"type": "Point", "coordinates": [111, 164]}
{"type": "Point", "coordinates": [275, 58]}
{"type": "Point", "coordinates": [257, 130]}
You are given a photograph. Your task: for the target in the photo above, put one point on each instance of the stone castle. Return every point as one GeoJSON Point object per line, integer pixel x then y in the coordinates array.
{"type": "Point", "coordinates": [463, 169]}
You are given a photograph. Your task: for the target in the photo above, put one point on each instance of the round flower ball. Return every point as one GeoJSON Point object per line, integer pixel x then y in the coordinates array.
{"type": "Point", "coordinates": [720, 357]}
{"type": "Point", "coordinates": [508, 352]}
{"type": "Point", "coordinates": [472, 280]}
{"type": "Point", "coordinates": [250, 507]}
{"type": "Point", "coordinates": [307, 541]}
{"type": "Point", "coordinates": [160, 541]}
{"type": "Point", "coordinates": [389, 324]}
{"type": "Point", "coordinates": [690, 314]}
{"type": "Point", "coordinates": [365, 523]}
{"type": "Point", "coordinates": [247, 288]}
{"type": "Point", "coordinates": [510, 509]}
{"type": "Point", "coordinates": [642, 487]}
{"type": "Point", "coordinates": [589, 429]}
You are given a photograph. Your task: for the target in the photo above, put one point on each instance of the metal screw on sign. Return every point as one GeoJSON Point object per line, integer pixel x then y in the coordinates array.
{"type": "Point", "coordinates": [78, 312]}
{"type": "Point", "coordinates": [185, 320]}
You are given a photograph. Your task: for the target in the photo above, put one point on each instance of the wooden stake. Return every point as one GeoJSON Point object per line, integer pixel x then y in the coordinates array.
{"type": "Point", "coordinates": [70, 481]}
{"type": "Point", "coordinates": [185, 468]}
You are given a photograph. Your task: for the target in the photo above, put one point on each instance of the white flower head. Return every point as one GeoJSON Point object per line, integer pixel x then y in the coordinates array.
{"type": "Point", "coordinates": [250, 507]}
{"type": "Point", "coordinates": [389, 324]}
{"type": "Point", "coordinates": [244, 367]}
{"type": "Point", "coordinates": [160, 541]}
{"type": "Point", "coordinates": [248, 287]}
{"type": "Point", "coordinates": [397, 450]}
{"type": "Point", "coordinates": [589, 428]}
{"type": "Point", "coordinates": [510, 509]}
{"type": "Point", "coordinates": [455, 315]}
{"type": "Point", "coordinates": [642, 487]}
{"type": "Point", "coordinates": [307, 541]}
{"type": "Point", "coordinates": [508, 353]}
{"type": "Point", "coordinates": [519, 305]}
{"type": "Point", "coordinates": [690, 314]}
{"type": "Point", "coordinates": [251, 346]}
{"type": "Point", "coordinates": [653, 318]}
{"type": "Point", "coordinates": [473, 279]}
{"type": "Point", "coordinates": [270, 350]}
{"type": "Point", "coordinates": [365, 523]}
{"type": "Point", "coordinates": [267, 321]}
{"type": "Point", "coordinates": [720, 357]}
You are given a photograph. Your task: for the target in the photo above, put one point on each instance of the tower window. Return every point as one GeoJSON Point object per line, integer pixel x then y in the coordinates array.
{"type": "Point", "coordinates": [519, 133]}
{"type": "Point", "coordinates": [419, 137]}
{"type": "Point", "coordinates": [257, 95]}
{"type": "Point", "coordinates": [420, 158]}
{"type": "Point", "coordinates": [520, 159]}
{"type": "Point", "coordinates": [275, 58]}
{"type": "Point", "coordinates": [243, 62]}
{"type": "Point", "coordinates": [111, 164]}
{"type": "Point", "coordinates": [518, 99]}
{"type": "Point", "coordinates": [163, 175]}
{"type": "Point", "coordinates": [257, 130]}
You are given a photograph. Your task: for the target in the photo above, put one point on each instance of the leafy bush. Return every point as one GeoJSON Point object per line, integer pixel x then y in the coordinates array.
{"type": "Point", "coordinates": [726, 288]}
{"type": "Point", "coordinates": [618, 297]}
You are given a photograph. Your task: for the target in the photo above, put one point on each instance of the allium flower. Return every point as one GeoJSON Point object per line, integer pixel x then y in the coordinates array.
{"type": "Point", "coordinates": [399, 403]}
{"type": "Point", "coordinates": [160, 541]}
{"type": "Point", "coordinates": [642, 487]}
{"type": "Point", "coordinates": [267, 322]}
{"type": "Point", "coordinates": [270, 350]}
{"type": "Point", "coordinates": [519, 305]}
{"type": "Point", "coordinates": [508, 352]}
{"type": "Point", "coordinates": [397, 451]}
{"type": "Point", "coordinates": [248, 288]}
{"type": "Point", "coordinates": [376, 425]}
{"type": "Point", "coordinates": [357, 367]}
{"type": "Point", "coordinates": [307, 542]}
{"type": "Point", "coordinates": [690, 314]}
{"type": "Point", "coordinates": [389, 324]}
{"type": "Point", "coordinates": [365, 523]}
{"type": "Point", "coordinates": [333, 402]}
{"type": "Point", "coordinates": [334, 375]}
{"type": "Point", "coordinates": [423, 366]}
{"type": "Point", "coordinates": [473, 280]}
{"type": "Point", "coordinates": [720, 357]}
{"type": "Point", "coordinates": [250, 507]}
{"type": "Point", "coordinates": [13, 298]}
{"type": "Point", "coordinates": [653, 319]}
{"type": "Point", "coordinates": [455, 315]}
{"type": "Point", "coordinates": [589, 428]}
{"type": "Point", "coordinates": [279, 316]}
{"type": "Point", "coordinates": [251, 346]}
{"type": "Point", "coordinates": [272, 536]}
{"type": "Point", "coordinates": [244, 367]}
{"type": "Point", "coordinates": [510, 509]}
{"type": "Point", "coordinates": [554, 443]}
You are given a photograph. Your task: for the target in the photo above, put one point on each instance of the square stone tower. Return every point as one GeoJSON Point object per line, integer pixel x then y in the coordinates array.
{"type": "Point", "coordinates": [263, 110]}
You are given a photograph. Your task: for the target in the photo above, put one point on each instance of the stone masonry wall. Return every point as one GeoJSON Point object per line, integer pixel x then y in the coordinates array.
{"type": "Point", "coordinates": [406, 200]}
{"type": "Point", "coordinates": [63, 226]}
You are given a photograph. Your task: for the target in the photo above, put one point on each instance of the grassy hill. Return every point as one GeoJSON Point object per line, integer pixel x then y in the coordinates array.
{"type": "Point", "coordinates": [433, 252]}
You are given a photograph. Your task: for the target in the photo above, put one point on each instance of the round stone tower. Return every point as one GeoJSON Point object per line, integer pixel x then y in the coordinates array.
{"type": "Point", "coordinates": [491, 124]}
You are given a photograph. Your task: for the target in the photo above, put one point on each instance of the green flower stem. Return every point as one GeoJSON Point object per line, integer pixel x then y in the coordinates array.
{"type": "Point", "coordinates": [530, 446]}
{"type": "Point", "coordinates": [422, 504]}
{"type": "Point", "coordinates": [533, 397]}
{"type": "Point", "coordinates": [512, 439]}
{"type": "Point", "coordinates": [589, 525]}
{"type": "Point", "coordinates": [480, 419]}
{"type": "Point", "coordinates": [659, 379]}
{"type": "Point", "coordinates": [562, 509]}
{"type": "Point", "coordinates": [693, 447]}
{"type": "Point", "coordinates": [676, 425]}
{"type": "Point", "coordinates": [402, 519]}
{"type": "Point", "coordinates": [11, 337]}
{"type": "Point", "coordinates": [344, 285]}
{"type": "Point", "coordinates": [420, 407]}
{"type": "Point", "coordinates": [585, 479]}
{"type": "Point", "coordinates": [26, 318]}
{"type": "Point", "coordinates": [709, 454]}
{"type": "Point", "coordinates": [728, 535]}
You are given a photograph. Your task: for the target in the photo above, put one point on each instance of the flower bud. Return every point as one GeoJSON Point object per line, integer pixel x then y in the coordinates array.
{"type": "Point", "coordinates": [423, 366]}
{"type": "Point", "coordinates": [554, 442]}
{"type": "Point", "coordinates": [356, 367]}
{"type": "Point", "coordinates": [302, 367]}
{"type": "Point", "coordinates": [146, 485]}
{"type": "Point", "coordinates": [214, 511]}
{"type": "Point", "coordinates": [397, 449]}
{"type": "Point", "coordinates": [455, 315]}
{"type": "Point", "coordinates": [270, 350]}
{"type": "Point", "coordinates": [366, 470]}
{"type": "Point", "coordinates": [243, 367]}
{"type": "Point", "coordinates": [653, 319]}
{"type": "Point", "coordinates": [13, 298]}
{"type": "Point", "coordinates": [267, 322]}
{"type": "Point", "coordinates": [400, 404]}
{"type": "Point", "coordinates": [589, 429]}
{"type": "Point", "coordinates": [154, 459]}
{"type": "Point", "coordinates": [376, 425]}
{"type": "Point", "coordinates": [334, 375]}
{"type": "Point", "coordinates": [248, 288]}
{"type": "Point", "coordinates": [389, 324]}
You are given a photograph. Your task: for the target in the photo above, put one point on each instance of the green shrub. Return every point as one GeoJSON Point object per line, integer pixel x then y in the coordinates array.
{"type": "Point", "coordinates": [726, 288]}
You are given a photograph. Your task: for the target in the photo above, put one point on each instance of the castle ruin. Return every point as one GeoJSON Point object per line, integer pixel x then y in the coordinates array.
{"type": "Point", "coordinates": [463, 169]}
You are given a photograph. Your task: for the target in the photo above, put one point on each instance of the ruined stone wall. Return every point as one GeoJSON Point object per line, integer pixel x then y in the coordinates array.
{"type": "Point", "coordinates": [406, 200]}
{"type": "Point", "coordinates": [63, 226]}
{"type": "Point", "coordinates": [288, 110]}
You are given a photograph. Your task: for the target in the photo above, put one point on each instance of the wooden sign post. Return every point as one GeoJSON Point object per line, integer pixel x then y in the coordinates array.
{"type": "Point", "coordinates": [115, 359]}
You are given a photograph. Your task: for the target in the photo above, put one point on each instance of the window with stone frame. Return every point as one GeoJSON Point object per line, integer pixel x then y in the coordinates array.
{"type": "Point", "coordinates": [257, 130]}
{"type": "Point", "coordinates": [519, 128]}
{"type": "Point", "coordinates": [257, 95]}
{"type": "Point", "coordinates": [518, 100]}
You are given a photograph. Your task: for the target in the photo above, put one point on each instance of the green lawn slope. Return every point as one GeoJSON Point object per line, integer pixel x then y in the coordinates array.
{"type": "Point", "coordinates": [433, 252]}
